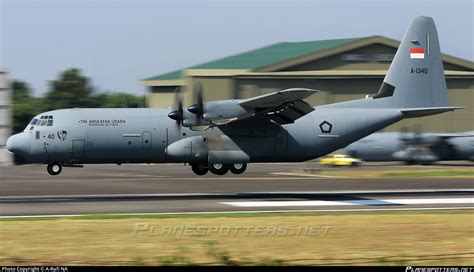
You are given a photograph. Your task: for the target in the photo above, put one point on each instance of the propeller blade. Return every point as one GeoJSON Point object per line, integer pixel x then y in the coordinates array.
{"type": "Point", "coordinates": [180, 110]}
{"type": "Point", "coordinates": [198, 108]}
{"type": "Point", "coordinates": [177, 114]}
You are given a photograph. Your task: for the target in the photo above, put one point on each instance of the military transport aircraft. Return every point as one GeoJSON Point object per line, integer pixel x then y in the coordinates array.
{"type": "Point", "coordinates": [219, 136]}
{"type": "Point", "coordinates": [413, 147]}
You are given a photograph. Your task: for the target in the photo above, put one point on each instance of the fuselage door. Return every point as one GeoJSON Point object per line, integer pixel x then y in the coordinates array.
{"type": "Point", "coordinates": [77, 152]}
{"type": "Point", "coordinates": [146, 140]}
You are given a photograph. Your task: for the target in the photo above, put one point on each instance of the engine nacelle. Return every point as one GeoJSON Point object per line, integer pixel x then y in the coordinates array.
{"type": "Point", "coordinates": [221, 112]}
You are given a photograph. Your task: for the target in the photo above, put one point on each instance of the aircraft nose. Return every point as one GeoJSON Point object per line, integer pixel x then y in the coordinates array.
{"type": "Point", "coordinates": [18, 144]}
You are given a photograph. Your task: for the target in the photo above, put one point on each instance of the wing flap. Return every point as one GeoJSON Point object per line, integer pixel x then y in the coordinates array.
{"type": "Point", "coordinates": [303, 108]}
{"type": "Point", "coordinates": [290, 112]}
{"type": "Point", "coordinates": [280, 119]}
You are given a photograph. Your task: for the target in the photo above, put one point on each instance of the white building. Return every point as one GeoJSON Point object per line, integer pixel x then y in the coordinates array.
{"type": "Point", "coordinates": [5, 118]}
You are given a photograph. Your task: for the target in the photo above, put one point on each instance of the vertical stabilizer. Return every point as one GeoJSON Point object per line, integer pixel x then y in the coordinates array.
{"type": "Point", "coordinates": [415, 78]}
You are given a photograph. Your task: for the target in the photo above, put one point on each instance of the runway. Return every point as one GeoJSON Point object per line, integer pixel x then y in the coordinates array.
{"type": "Point", "coordinates": [145, 189]}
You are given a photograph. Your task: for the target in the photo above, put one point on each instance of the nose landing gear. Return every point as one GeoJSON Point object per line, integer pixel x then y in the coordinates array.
{"type": "Point", "coordinates": [54, 168]}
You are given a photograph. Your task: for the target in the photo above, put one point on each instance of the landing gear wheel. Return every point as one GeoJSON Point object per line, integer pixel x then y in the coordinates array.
{"type": "Point", "coordinates": [238, 168]}
{"type": "Point", "coordinates": [199, 169]}
{"type": "Point", "coordinates": [54, 168]}
{"type": "Point", "coordinates": [219, 168]}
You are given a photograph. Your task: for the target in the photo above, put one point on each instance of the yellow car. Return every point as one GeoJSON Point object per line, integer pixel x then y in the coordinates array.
{"type": "Point", "coordinates": [339, 160]}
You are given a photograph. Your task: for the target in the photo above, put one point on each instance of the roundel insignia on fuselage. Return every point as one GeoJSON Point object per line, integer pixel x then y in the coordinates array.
{"type": "Point", "coordinates": [325, 127]}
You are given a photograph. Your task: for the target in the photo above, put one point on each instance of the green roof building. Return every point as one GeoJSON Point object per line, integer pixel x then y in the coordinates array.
{"type": "Point", "coordinates": [343, 69]}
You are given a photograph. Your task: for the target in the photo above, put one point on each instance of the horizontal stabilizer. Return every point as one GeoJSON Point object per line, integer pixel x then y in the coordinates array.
{"type": "Point", "coordinates": [420, 112]}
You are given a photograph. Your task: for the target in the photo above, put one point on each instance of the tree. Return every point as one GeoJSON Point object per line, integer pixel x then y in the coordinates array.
{"type": "Point", "coordinates": [71, 90]}
{"type": "Point", "coordinates": [118, 100]}
{"type": "Point", "coordinates": [21, 90]}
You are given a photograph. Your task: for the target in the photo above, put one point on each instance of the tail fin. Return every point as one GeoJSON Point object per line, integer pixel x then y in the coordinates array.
{"type": "Point", "coordinates": [415, 78]}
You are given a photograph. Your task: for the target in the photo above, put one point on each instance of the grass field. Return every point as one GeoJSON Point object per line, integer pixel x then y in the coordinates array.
{"type": "Point", "coordinates": [362, 238]}
{"type": "Point", "coordinates": [401, 172]}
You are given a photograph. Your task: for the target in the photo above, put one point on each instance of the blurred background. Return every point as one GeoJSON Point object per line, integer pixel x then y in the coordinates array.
{"type": "Point", "coordinates": [57, 54]}
{"type": "Point", "coordinates": [136, 53]}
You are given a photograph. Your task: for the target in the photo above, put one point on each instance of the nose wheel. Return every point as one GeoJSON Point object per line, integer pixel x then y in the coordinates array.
{"type": "Point", "coordinates": [54, 168]}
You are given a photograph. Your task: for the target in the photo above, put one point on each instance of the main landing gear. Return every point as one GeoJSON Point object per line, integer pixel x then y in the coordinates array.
{"type": "Point", "coordinates": [199, 169]}
{"type": "Point", "coordinates": [54, 168]}
{"type": "Point", "coordinates": [219, 168]}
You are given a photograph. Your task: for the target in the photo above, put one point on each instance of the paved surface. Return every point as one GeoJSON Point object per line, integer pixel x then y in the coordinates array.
{"type": "Point", "coordinates": [29, 190]}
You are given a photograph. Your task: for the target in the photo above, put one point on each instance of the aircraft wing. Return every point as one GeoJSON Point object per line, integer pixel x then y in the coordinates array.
{"type": "Point", "coordinates": [283, 107]}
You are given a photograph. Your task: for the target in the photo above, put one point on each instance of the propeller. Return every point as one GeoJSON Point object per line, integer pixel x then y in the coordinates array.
{"type": "Point", "coordinates": [411, 136]}
{"type": "Point", "coordinates": [417, 136]}
{"type": "Point", "coordinates": [198, 108]}
{"type": "Point", "coordinates": [177, 114]}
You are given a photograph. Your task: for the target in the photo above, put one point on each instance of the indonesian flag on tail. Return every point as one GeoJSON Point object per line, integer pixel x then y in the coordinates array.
{"type": "Point", "coordinates": [417, 53]}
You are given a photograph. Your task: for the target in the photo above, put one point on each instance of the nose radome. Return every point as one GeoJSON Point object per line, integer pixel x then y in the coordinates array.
{"type": "Point", "coordinates": [18, 144]}
{"type": "Point", "coordinates": [9, 144]}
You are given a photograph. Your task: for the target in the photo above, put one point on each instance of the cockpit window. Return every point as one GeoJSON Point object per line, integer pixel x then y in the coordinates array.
{"type": "Point", "coordinates": [44, 120]}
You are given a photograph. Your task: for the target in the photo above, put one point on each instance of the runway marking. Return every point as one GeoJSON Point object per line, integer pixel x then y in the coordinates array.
{"type": "Point", "coordinates": [392, 201]}
{"type": "Point", "coordinates": [248, 193]}
{"type": "Point", "coordinates": [164, 178]}
{"type": "Point", "coordinates": [299, 174]}
{"type": "Point", "coordinates": [245, 178]}
{"type": "Point", "coordinates": [237, 212]}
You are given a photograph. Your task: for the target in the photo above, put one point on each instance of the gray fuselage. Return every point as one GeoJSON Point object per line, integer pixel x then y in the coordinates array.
{"type": "Point", "coordinates": [143, 135]}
